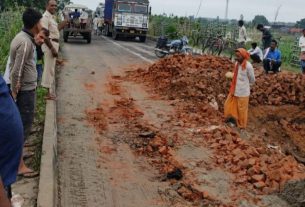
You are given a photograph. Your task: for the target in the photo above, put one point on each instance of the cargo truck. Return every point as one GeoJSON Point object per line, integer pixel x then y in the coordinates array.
{"type": "Point", "coordinates": [126, 18]}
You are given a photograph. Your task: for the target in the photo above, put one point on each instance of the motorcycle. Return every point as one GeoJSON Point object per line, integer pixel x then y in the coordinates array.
{"type": "Point", "coordinates": [165, 47]}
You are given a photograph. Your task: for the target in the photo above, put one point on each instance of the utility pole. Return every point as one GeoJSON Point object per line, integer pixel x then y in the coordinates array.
{"type": "Point", "coordinates": [277, 13]}
{"type": "Point", "coordinates": [227, 10]}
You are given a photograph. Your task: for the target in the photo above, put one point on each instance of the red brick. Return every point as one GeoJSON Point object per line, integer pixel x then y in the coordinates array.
{"type": "Point", "coordinates": [163, 150]}
{"type": "Point", "coordinates": [258, 178]}
{"type": "Point", "coordinates": [259, 185]}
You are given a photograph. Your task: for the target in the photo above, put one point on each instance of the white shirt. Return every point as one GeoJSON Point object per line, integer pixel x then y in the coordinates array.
{"type": "Point", "coordinates": [242, 37]}
{"type": "Point", "coordinates": [48, 21]}
{"type": "Point", "coordinates": [302, 43]}
{"type": "Point", "coordinates": [7, 72]}
{"type": "Point", "coordinates": [245, 78]}
{"type": "Point", "coordinates": [84, 15]}
{"type": "Point", "coordinates": [257, 51]}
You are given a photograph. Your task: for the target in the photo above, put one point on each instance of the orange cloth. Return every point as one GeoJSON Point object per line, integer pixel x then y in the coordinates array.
{"type": "Point", "coordinates": [246, 55]}
{"type": "Point", "coordinates": [237, 108]}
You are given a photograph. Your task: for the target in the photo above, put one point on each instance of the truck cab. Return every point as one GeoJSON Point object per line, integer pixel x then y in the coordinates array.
{"type": "Point", "coordinates": [126, 18]}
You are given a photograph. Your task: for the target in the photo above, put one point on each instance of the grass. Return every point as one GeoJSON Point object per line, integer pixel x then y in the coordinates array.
{"type": "Point", "coordinates": [10, 25]}
{"type": "Point", "coordinates": [39, 124]}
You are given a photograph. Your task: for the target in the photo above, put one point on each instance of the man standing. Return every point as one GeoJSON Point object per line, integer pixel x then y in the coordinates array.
{"type": "Point", "coordinates": [24, 74]}
{"type": "Point", "coordinates": [84, 19]}
{"type": "Point", "coordinates": [236, 105]}
{"type": "Point", "coordinates": [242, 37]}
{"type": "Point", "coordinates": [267, 36]}
{"type": "Point", "coordinates": [272, 60]}
{"type": "Point", "coordinates": [51, 47]}
{"type": "Point", "coordinates": [302, 56]}
{"type": "Point", "coordinates": [256, 53]}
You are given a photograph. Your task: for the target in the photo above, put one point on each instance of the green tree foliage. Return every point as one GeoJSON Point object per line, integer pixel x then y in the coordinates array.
{"type": "Point", "coordinates": [40, 4]}
{"type": "Point", "coordinates": [260, 19]}
{"type": "Point", "coordinates": [301, 23]}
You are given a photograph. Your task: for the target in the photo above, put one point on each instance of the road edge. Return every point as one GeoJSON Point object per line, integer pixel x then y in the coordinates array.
{"type": "Point", "coordinates": [47, 190]}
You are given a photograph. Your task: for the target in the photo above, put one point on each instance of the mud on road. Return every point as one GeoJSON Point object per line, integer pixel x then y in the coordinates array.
{"type": "Point", "coordinates": [134, 135]}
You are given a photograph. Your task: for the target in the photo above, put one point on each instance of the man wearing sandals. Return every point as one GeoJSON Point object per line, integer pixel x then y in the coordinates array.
{"type": "Point", "coordinates": [51, 47]}
{"type": "Point", "coordinates": [23, 74]}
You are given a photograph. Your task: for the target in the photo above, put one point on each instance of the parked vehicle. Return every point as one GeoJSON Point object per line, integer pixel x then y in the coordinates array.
{"type": "Point", "coordinates": [77, 26]}
{"type": "Point", "coordinates": [165, 47]}
{"type": "Point", "coordinates": [126, 18]}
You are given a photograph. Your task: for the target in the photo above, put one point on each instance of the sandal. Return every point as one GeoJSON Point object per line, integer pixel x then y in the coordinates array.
{"type": "Point", "coordinates": [29, 174]}
{"type": "Point", "coordinates": [28, 155]}
{"type": "Point", "coordinates": [50, 97]}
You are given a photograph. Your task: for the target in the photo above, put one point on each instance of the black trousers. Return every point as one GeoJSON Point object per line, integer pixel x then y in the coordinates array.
{"type": "Point", "coordinates": [26, 101]}
{"type": "Point", "coordinates": [256, 58]}
{"type": "Point", "coordinates": [274, 67]}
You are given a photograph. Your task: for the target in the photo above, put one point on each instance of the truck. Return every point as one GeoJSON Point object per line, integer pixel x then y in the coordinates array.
{"type": "Point", "coordinates": [77, 27]}
{"type": "Point", "coordinates": [126, 18]}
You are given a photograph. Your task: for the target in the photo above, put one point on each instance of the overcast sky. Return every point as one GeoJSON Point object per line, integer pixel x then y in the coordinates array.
{"type": "Point", "coordinates": [291, 10]}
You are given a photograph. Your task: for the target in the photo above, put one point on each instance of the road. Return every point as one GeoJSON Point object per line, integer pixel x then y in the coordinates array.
{"type": "Point", "coordinates": [104, 162]}
{"type": "Point", "coordinates": [93, 171]}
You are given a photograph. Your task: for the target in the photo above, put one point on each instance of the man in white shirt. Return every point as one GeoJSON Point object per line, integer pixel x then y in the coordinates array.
{"type": "Point", "coordinates": [84, 19]}
{"type": "Point", "coordinates": [95, 24]}
{"type": "Point", "coordinates": [302, 56]}
{"type": "Point", "coordinates": [242, 35]}
{"type": "Point", "coordinates": [256, 53]}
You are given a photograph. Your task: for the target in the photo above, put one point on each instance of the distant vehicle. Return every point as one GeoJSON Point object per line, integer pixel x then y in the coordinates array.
{"type": "Point", "coordinates": [77, 26]}
{"type": "Point", "coordinates": [165, 47]}
{"type": "Point", "coordinates": [128, 18]}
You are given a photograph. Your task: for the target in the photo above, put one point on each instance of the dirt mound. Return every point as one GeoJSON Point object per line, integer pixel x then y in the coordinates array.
{"type": "Point", "coordinates": [199, 86]}
{"type": "Point", "coordinates": [187, 77]}
{"type": "Point", "coordinates": [279, 89]}
{"type": "Point", "coordinates": [203, 78]}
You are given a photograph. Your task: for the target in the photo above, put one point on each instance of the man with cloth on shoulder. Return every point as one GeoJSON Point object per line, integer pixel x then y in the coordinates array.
{"type": "Point", "coordinates": [51, 46]}
{"type": "Point", "coordinates": [236, 105]}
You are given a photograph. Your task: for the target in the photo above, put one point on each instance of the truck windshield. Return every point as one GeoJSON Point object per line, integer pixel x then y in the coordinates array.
{"type": "Point", "coordinates": [124, 7]}
{"type": "Point", "coordinates": [140, 9]}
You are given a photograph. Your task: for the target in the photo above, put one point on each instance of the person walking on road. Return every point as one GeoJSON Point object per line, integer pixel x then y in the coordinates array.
{"type": "Point", "coordinates": [267, 36]}
{"type": "Point", "coordinates": [302, 56]}
{"type": "Point", "coordinates": [236, 105]}
{"type": "Point", "coordinates": [95, 24]}
{"type": "Point", "coordinates": [51, 47]}
{"type": "Point", "coordinates": [24, 74]}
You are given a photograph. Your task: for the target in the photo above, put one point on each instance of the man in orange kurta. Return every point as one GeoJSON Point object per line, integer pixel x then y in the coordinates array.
{"type": "Point", "coordinates": [236, 105]}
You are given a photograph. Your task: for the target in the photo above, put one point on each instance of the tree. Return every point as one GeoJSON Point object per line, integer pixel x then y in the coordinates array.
{"type": "Point", "coordinates": [260, 19]}
{"type": "Point", "coordinates": [301, 23]}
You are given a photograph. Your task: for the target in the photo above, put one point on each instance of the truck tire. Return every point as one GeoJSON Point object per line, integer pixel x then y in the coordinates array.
{"type": "Point", "coordinates": [143, 39]}
{"type": "Point", "coordinates": [89, 38]}
{"type": "Point", "coordinates": [108, 33]}
{"type": "Point", "coordinates": [115, 35]}
{"type": "Point", "coordinates": [66, 36]}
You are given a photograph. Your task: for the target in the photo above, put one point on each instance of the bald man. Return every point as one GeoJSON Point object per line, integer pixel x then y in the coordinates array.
{"type": "Point", "coordinates": [51, 46]}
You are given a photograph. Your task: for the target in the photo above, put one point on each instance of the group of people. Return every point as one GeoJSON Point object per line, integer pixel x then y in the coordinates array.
{"type": "Point", "coordinates": [33, 48]}
{"type": "Point", "coordinates": [77, 18]}
{"type": "Point", "coordinates": [269, 55]}
{"type": "Point", "coordinates": [98, 25]}
{"type": "Point", "coordinates": [236, 105]}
